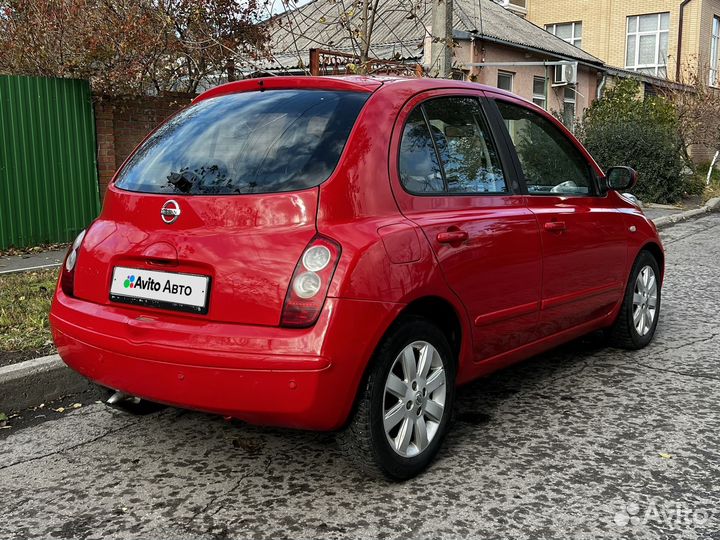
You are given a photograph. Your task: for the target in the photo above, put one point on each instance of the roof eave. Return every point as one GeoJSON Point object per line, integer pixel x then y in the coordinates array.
{"type": "Point", "coordinates": [461, 34]}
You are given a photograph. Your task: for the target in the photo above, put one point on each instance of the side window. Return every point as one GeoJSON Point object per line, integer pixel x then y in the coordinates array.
{"type": "Point", "coordinates": [419, 166]}
{"type": "Point", "coordinates": [551, 163]}
{"type": "Point", "coordinates": [455, 154]}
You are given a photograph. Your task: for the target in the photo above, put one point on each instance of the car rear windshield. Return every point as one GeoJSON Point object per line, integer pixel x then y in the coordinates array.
{"type": "Point", "coordinates": [252, 142]}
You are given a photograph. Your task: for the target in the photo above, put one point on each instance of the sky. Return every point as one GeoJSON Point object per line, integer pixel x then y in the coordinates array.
{"type": "Point", "coordinates": [278, 6]}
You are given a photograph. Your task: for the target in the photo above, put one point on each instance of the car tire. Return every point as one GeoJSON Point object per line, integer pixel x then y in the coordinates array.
{"type": "Point", "coordinates": [393, 403]}
{"type": "Point", "coordinates": [637, 321]}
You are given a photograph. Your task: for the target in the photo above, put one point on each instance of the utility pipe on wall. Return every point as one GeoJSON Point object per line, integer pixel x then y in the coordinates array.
{"type": "Point", "coordinates": [680, 38]}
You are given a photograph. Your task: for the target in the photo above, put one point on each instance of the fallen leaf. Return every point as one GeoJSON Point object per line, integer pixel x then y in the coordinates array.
{"type": "Point", "coordinates": [664, 455]}
{"type": "Point", "coordinates": [76, 405]}
{"type": "Point", "coordinates": [59, 409]}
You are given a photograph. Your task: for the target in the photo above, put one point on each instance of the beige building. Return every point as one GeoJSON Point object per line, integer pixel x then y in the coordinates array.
{"type": "Point", "coordinates": [645, 36]}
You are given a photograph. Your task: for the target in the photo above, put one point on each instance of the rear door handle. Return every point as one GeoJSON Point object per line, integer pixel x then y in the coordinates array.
{"type": "Point", "coordinates": [452, 237]}
{"type": "Point", "coordinates": [555, 226]}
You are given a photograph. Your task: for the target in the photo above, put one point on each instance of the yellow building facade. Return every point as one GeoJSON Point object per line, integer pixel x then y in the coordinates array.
{"type": "Point", "coordinates": [647, 36]}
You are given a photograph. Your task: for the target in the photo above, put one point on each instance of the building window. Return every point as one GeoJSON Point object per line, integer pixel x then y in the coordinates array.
{"type": "Point", "coordinates": [714, 49]}
{"type": "Point", "coordinates": [569, 102]}
{"type": "Point", "coordinates": [539, 97]}
{"type": "Point", "coordinates": [505, 80]}
{"type": "Point", "coordinates": [647, 44]}
{"type": "Point", "coordinates": [570, 32]}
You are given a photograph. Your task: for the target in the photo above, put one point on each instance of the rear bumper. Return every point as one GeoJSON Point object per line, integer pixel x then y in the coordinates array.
{"type": "Point", "coordinates": [273, 376]}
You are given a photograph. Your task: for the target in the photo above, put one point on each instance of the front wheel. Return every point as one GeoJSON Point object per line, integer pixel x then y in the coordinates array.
{"type": "Point", "coordinates": [638, 318]}
{"type": "Point", "coordinates": [404, 409]}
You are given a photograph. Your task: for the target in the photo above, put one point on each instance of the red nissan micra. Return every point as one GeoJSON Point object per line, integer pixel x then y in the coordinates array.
{"type": "Point", "coordinates": [341, 253]}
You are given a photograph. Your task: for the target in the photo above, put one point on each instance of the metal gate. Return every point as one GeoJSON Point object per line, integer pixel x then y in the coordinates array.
{"type": "Point", "coordinates": [48, 170]}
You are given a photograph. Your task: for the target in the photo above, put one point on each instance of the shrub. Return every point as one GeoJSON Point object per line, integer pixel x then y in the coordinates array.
{"type": "Point", "coordinates": [621, 129]}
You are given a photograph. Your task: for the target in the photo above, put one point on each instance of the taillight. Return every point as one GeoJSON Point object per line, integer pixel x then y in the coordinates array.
{"type": "Point", "coordinates": [67, 274]}
{"type": "Point", "coordinates": [309, 284]}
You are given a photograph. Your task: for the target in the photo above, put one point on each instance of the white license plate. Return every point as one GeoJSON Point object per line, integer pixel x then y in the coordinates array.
{"type": "Point", "coordinates": [168, 290]}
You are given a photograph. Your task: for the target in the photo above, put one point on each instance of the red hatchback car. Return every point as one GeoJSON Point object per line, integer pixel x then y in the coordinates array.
{"type": "Point", "coordinates": [341, 253]}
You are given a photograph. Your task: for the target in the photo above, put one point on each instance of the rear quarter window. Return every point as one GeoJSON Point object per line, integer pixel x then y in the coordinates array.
{"type": "Point", "coordinates": [251, 142]}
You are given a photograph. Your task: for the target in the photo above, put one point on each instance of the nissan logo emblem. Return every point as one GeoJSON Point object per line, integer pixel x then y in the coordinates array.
{"type": "Point", "coordinates": [170, 212]}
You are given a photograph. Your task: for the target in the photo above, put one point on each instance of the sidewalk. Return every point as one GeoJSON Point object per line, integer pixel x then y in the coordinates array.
{"type": "Point", "coordinates": [655, 211]}
{"type": "Point", "coordinates": [35, 261]}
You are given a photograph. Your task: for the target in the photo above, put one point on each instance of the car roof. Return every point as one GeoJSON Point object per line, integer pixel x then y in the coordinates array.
{"type": "Point", "coordinates": [357, 83]}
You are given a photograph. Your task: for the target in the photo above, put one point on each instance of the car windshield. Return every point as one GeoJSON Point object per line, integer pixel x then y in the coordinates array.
{"type": "Point", "coordinates": [251, 142]}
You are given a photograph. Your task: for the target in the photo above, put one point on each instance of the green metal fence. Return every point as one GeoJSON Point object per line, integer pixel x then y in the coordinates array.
{"type": "Point", "coordinates": [48, 170]}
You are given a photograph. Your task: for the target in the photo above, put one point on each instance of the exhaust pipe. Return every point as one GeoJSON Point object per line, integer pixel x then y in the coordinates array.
{"type": "Point", "coordinates": [119, 398]}
{"type": "Point", "coordinates": [133, 404]}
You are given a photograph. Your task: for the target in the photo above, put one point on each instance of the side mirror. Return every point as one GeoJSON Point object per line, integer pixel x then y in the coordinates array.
{"type": "Point", "coordinates": [621, 178]}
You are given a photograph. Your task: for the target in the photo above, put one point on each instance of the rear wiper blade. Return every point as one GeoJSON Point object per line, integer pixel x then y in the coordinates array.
{"type": "Point", "coordinates": [183, 180]}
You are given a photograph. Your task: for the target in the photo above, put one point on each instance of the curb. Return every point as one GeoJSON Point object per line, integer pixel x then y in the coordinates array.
{"type": "Point", "coordinates": [37, 381]}
{"type": "Point", "coordinates": [32, 382]}
{"type": "Point", "coordinates": [668, 221]}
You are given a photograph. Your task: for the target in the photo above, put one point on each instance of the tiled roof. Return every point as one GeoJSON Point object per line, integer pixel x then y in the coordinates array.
{"type": "Point", "coordinates": [400, 34]}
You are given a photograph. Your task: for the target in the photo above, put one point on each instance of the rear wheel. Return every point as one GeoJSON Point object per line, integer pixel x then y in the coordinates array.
{"type": "Point", "coordinates": [636, 323]}
{"type": "Point", "coordinates": [404, 408]}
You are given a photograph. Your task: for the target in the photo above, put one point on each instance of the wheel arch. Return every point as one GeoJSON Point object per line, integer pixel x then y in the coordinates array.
{"type": "Point", "coordinates": [439, 311]}
{"type": "Point", "coordinates": [657, 252]}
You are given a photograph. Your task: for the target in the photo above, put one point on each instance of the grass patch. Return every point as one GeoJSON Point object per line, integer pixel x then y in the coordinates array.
{"type": "Point", "coordinates": [712, 191]}
{"type": "Point", "coordinates": [25, 299]}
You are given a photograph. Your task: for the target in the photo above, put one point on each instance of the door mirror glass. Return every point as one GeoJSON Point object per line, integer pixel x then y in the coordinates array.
{"type": "Point", "coordinates": [621, 178]}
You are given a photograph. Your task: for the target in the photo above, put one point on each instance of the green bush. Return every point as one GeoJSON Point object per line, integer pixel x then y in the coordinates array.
{"type": "Point", "coordinates": [621, 129]}
{"type": "Point", "coordinates": [695, 183]}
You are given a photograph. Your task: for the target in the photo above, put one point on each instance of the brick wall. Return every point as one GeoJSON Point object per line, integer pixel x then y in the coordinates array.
{"type": "Point", "coordinates": [122, 123]}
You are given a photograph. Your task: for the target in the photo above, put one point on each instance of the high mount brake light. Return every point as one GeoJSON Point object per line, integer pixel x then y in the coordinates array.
{"type": "Point", "coordinates": [310, 282]}
{"type": "Point", "coordinates": [67, 274]}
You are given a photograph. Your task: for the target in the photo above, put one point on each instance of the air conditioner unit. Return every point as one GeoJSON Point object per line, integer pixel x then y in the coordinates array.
{"type": "Point", "coordinates": [517, 6]}
{"type": "Point", "coordinates": [565, 74]}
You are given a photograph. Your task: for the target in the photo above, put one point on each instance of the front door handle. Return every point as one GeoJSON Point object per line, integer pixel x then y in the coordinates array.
{"type": "Point", "coordinates": [555, 226]}
{"type": "Point", "coordinates": [452, 237]}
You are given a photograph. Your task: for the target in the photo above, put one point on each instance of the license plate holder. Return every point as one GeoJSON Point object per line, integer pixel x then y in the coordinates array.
{"type": "Point", "coordinates": [174, 291]}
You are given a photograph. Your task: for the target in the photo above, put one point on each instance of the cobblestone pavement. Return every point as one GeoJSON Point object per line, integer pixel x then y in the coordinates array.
{"type": "Point", "coordinates": [581, 442]}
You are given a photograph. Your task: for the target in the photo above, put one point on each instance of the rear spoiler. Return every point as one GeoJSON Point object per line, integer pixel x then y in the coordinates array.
{"type": "Point", "coordinates": [351, 84]}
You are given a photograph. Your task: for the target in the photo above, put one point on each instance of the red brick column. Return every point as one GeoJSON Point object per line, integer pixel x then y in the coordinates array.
{"type": "Point", "coordinates": [122, 123]}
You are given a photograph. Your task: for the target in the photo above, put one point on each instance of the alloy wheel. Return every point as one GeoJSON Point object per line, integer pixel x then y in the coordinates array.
{"type": "Point", "coordinates": [414, 401]}
{"type": "Point", "coordinates": [645, 300]}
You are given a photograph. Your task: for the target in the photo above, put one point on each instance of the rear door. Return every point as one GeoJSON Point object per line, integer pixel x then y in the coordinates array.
{"type": "Point", "coordinates": [453, 181]}
{"type": "Point", "coordinates": [583, 235]}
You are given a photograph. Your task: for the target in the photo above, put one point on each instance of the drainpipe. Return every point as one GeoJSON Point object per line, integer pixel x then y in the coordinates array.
{"type": "Point", "coordinates": [601, 86]}
{"type": "Point", "coordinates": [680, 37]}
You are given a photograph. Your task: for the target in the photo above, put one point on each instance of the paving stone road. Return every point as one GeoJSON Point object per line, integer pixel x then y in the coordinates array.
{"type": "Point", "coordinates": [582, 442]}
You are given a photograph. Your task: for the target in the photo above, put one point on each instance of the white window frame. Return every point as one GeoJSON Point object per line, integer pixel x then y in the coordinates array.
{"type": "Point", "coordinates": [660, 63]}
{"type": "Point", "coordinates": [507, 74]}
{"type": "Point", "coordinates": [540, 97]}
{"type": "Point", "coordinates": [714, 53]}
{"type": "Point", "coordinates": [575, 34]}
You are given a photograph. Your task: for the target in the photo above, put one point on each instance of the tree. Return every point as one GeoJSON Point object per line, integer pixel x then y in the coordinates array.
{"type": "Point", "coordinates": [131, 47]}
{"type": "Point", "coordinates": [698, 111]}
{"type": "Point", "coordinates": [351, 26]}
{"type": "Point", "coordinates": [622, 129]}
